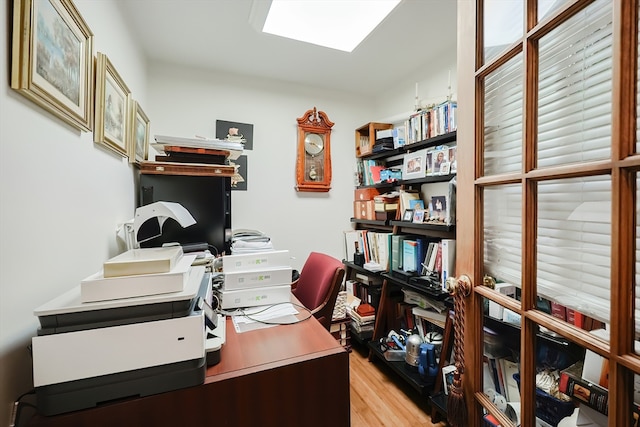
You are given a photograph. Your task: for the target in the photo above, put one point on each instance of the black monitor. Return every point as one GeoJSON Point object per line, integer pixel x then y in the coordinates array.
{"type": "Point", "coordinates": [208, 200]}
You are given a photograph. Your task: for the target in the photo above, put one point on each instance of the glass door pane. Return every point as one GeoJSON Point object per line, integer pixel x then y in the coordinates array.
{"type": "Point", "coordinates": [501, 363]}
{"type": "Point", "coordinates": [503, 25]}
{"type": "Point", "coordinates": [574, 95]}
{"type": "Point", "coordinates": [503, 95]}
{"type": "Point", "coordinates": [574, 249]}
{"type": "Point", "coordinates": [503, 237]}
{"type": "Point", "coordinates": [548, 7]}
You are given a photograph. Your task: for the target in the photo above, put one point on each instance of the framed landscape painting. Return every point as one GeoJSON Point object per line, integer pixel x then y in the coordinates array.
{"type": "Point", "coordinates": [52, 59]}
{"type": "Point", "coordinates": [112, 107]}
{"type": "Point", "coordinates": [139, 139]}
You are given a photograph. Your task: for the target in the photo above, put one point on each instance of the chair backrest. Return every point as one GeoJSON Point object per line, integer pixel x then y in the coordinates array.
{"type": "Point", "coordinates": [318, 286]}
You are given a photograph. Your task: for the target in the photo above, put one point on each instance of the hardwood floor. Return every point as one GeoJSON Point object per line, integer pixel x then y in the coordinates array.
{"type": "Point", "coordinates": [379, 398]}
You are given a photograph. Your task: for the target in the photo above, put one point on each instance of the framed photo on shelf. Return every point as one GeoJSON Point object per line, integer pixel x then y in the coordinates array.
{"type": "Point", "coordinates": [414, 165]}
{"type": "Point", "coordinates": [447, 377]}
{"type": "Point", "coordinates": [439, 160]}
{"type": "Point", "coordinates": [408, 215]}
{"type": "Point", "coordinates": [438, 209]}
{"type": "Point", "coordinates": [418, 216]}
{"type": "Point", "coordinates": [52, 59]}
{"type": "Point", "coordinates": [453, 164]}
{"type": "Point", "coordinates": [112, 107]}
{"type": "Point", "coordinates": [139, 139]}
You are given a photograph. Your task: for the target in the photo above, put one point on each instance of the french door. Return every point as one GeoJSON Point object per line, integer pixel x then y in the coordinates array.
{"type": "Point", "coordinates": [548, 174]}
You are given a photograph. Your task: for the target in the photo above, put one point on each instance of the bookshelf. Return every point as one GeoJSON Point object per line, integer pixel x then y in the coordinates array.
{"type": "Point", "coordinates": [395, 283]}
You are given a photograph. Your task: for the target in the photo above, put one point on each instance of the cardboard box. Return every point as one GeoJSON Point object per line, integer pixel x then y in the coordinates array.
{"type": "Point", "coordinates": [258, 278]}
{"type": "Point", "coordinates": [364, 210]}
{"type": "Point", "coordinates": [255, 261]}
{"type": "Point", "coordinates": [255, 296]}
{"type": "Point", "coordinates": [362, 194]}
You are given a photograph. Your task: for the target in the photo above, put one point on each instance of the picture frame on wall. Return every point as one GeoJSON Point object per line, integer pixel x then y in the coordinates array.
{"type": "Point", "coordinates": [112, 107]}
{"type": "Point", "coordinates": [239, 179]}
{"type": "Point", "coordinates": [139, 138]}
{"type": "Point", "coordinates": [235, 131]}
{"type": "Point", "coordinates": [414, 165]}
{"type": "Point", "coordinates": [52, 59]}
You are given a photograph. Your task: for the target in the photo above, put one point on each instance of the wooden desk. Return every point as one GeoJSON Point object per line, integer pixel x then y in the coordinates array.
{"type": "Point", "coordinates": [289, 375]}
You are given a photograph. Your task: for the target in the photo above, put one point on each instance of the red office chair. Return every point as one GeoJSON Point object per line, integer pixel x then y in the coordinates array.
{"type": "Point", "coordinates": [318, 286]}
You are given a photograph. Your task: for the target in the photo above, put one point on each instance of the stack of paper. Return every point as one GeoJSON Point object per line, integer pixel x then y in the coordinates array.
{"type": "Point", "coordinates": [234, 148]}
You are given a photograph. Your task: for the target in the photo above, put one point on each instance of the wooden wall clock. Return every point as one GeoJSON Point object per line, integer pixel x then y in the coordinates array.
{"type": "Point", "coordinates": [313, 164]}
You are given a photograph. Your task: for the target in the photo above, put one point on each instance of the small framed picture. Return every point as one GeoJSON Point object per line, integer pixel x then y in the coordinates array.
{"type": "Point", "coordinates": [440, 157]}
{"type": "Point", "coordinates": [438, 208]}
{"type": "Point", "coordinates": [414, 165]}
{"type": "Point", "coordinates": [453, 164]}
{"type": "Point", "coordinates": [418, 216]}
{"type": "Point", "coordinates": [408, 215]}
{"type": "Point", "coordinates": [447, 377]}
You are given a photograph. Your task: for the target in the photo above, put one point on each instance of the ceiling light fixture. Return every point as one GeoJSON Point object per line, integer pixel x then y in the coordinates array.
{"type": "Point", "coordinates": [337, 24]}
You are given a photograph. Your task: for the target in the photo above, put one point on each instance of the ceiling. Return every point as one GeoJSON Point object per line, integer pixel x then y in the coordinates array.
{"type": "Point", "coordinates": [223, 35]}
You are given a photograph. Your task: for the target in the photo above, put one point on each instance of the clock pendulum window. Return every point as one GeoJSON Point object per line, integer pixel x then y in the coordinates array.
{"type": "Point", "coordinates": [313, 164]}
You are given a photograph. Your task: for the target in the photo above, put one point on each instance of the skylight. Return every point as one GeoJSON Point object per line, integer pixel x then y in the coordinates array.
{"type": "Point", "coordinates": [337, 24]}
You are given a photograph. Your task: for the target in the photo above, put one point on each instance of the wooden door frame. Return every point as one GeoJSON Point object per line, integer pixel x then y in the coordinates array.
{"type": "Point", "coordinates": [623, 167]}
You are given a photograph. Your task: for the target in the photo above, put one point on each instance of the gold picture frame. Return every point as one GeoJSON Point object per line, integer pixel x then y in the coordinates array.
{"type": "Point", "coordinates": [52, 59]}
{"type": "Point", "coordinates": [139, 139]}
{"type": "Point", "coordinates": [113, 99]}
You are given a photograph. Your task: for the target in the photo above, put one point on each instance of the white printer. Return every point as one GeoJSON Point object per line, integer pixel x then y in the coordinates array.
{"type": "Point", "coordinates": [88, 353]}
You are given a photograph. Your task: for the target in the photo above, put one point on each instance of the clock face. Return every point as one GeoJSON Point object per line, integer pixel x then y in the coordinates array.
{"type": "Point", "coordinates": [313, 143]}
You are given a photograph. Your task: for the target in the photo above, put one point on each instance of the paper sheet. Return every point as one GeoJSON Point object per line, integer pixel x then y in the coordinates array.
{"type": "Point", "coordinates": [279, 313]}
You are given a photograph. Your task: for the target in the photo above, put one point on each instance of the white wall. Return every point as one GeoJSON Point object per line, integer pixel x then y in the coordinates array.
{"type": "Point", "coordinates": [187, 102]}
{"type": "Point", "coordinates": [61, 197]}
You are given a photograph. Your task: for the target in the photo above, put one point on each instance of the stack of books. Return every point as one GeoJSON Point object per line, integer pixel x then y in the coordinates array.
{"type": "Point", "coordinates": [363, 320]}
{"type": "Point", "coordinates": [137, 273]}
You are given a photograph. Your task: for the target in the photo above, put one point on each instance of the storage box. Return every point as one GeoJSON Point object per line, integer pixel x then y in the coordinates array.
{"type": "Point", "coordinates": [258, 278]}
{"type": "Point", "coordinates": [255, 261]}
{"type": "Point", "coordinates": [99, 288]}
{"type": "Point", "coordinates": [255, 296]}
{"type": "Point", "coordinates": [548, 408]}
{"type": "Point", "coordinates": [362, 194]}
{"type": "Point", "coordinates": [496, 310]}
{"type": "Point", "coordinates": [364, 210]}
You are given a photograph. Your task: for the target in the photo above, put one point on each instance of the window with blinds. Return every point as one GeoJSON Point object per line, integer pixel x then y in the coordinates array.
{"type": "Point", "coordinates": [574, 96]}
{"type": "Point", "coordinates": [503, 118]}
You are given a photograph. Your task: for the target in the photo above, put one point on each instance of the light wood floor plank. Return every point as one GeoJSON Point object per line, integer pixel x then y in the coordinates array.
{"type": "Point", "coordinates": [379, 398]}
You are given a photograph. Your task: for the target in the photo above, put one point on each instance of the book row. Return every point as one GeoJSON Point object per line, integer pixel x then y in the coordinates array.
{"type": "Point", "coordinates": [417, 255]}
{"type": "Point", "coordinates": [431, 122]}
